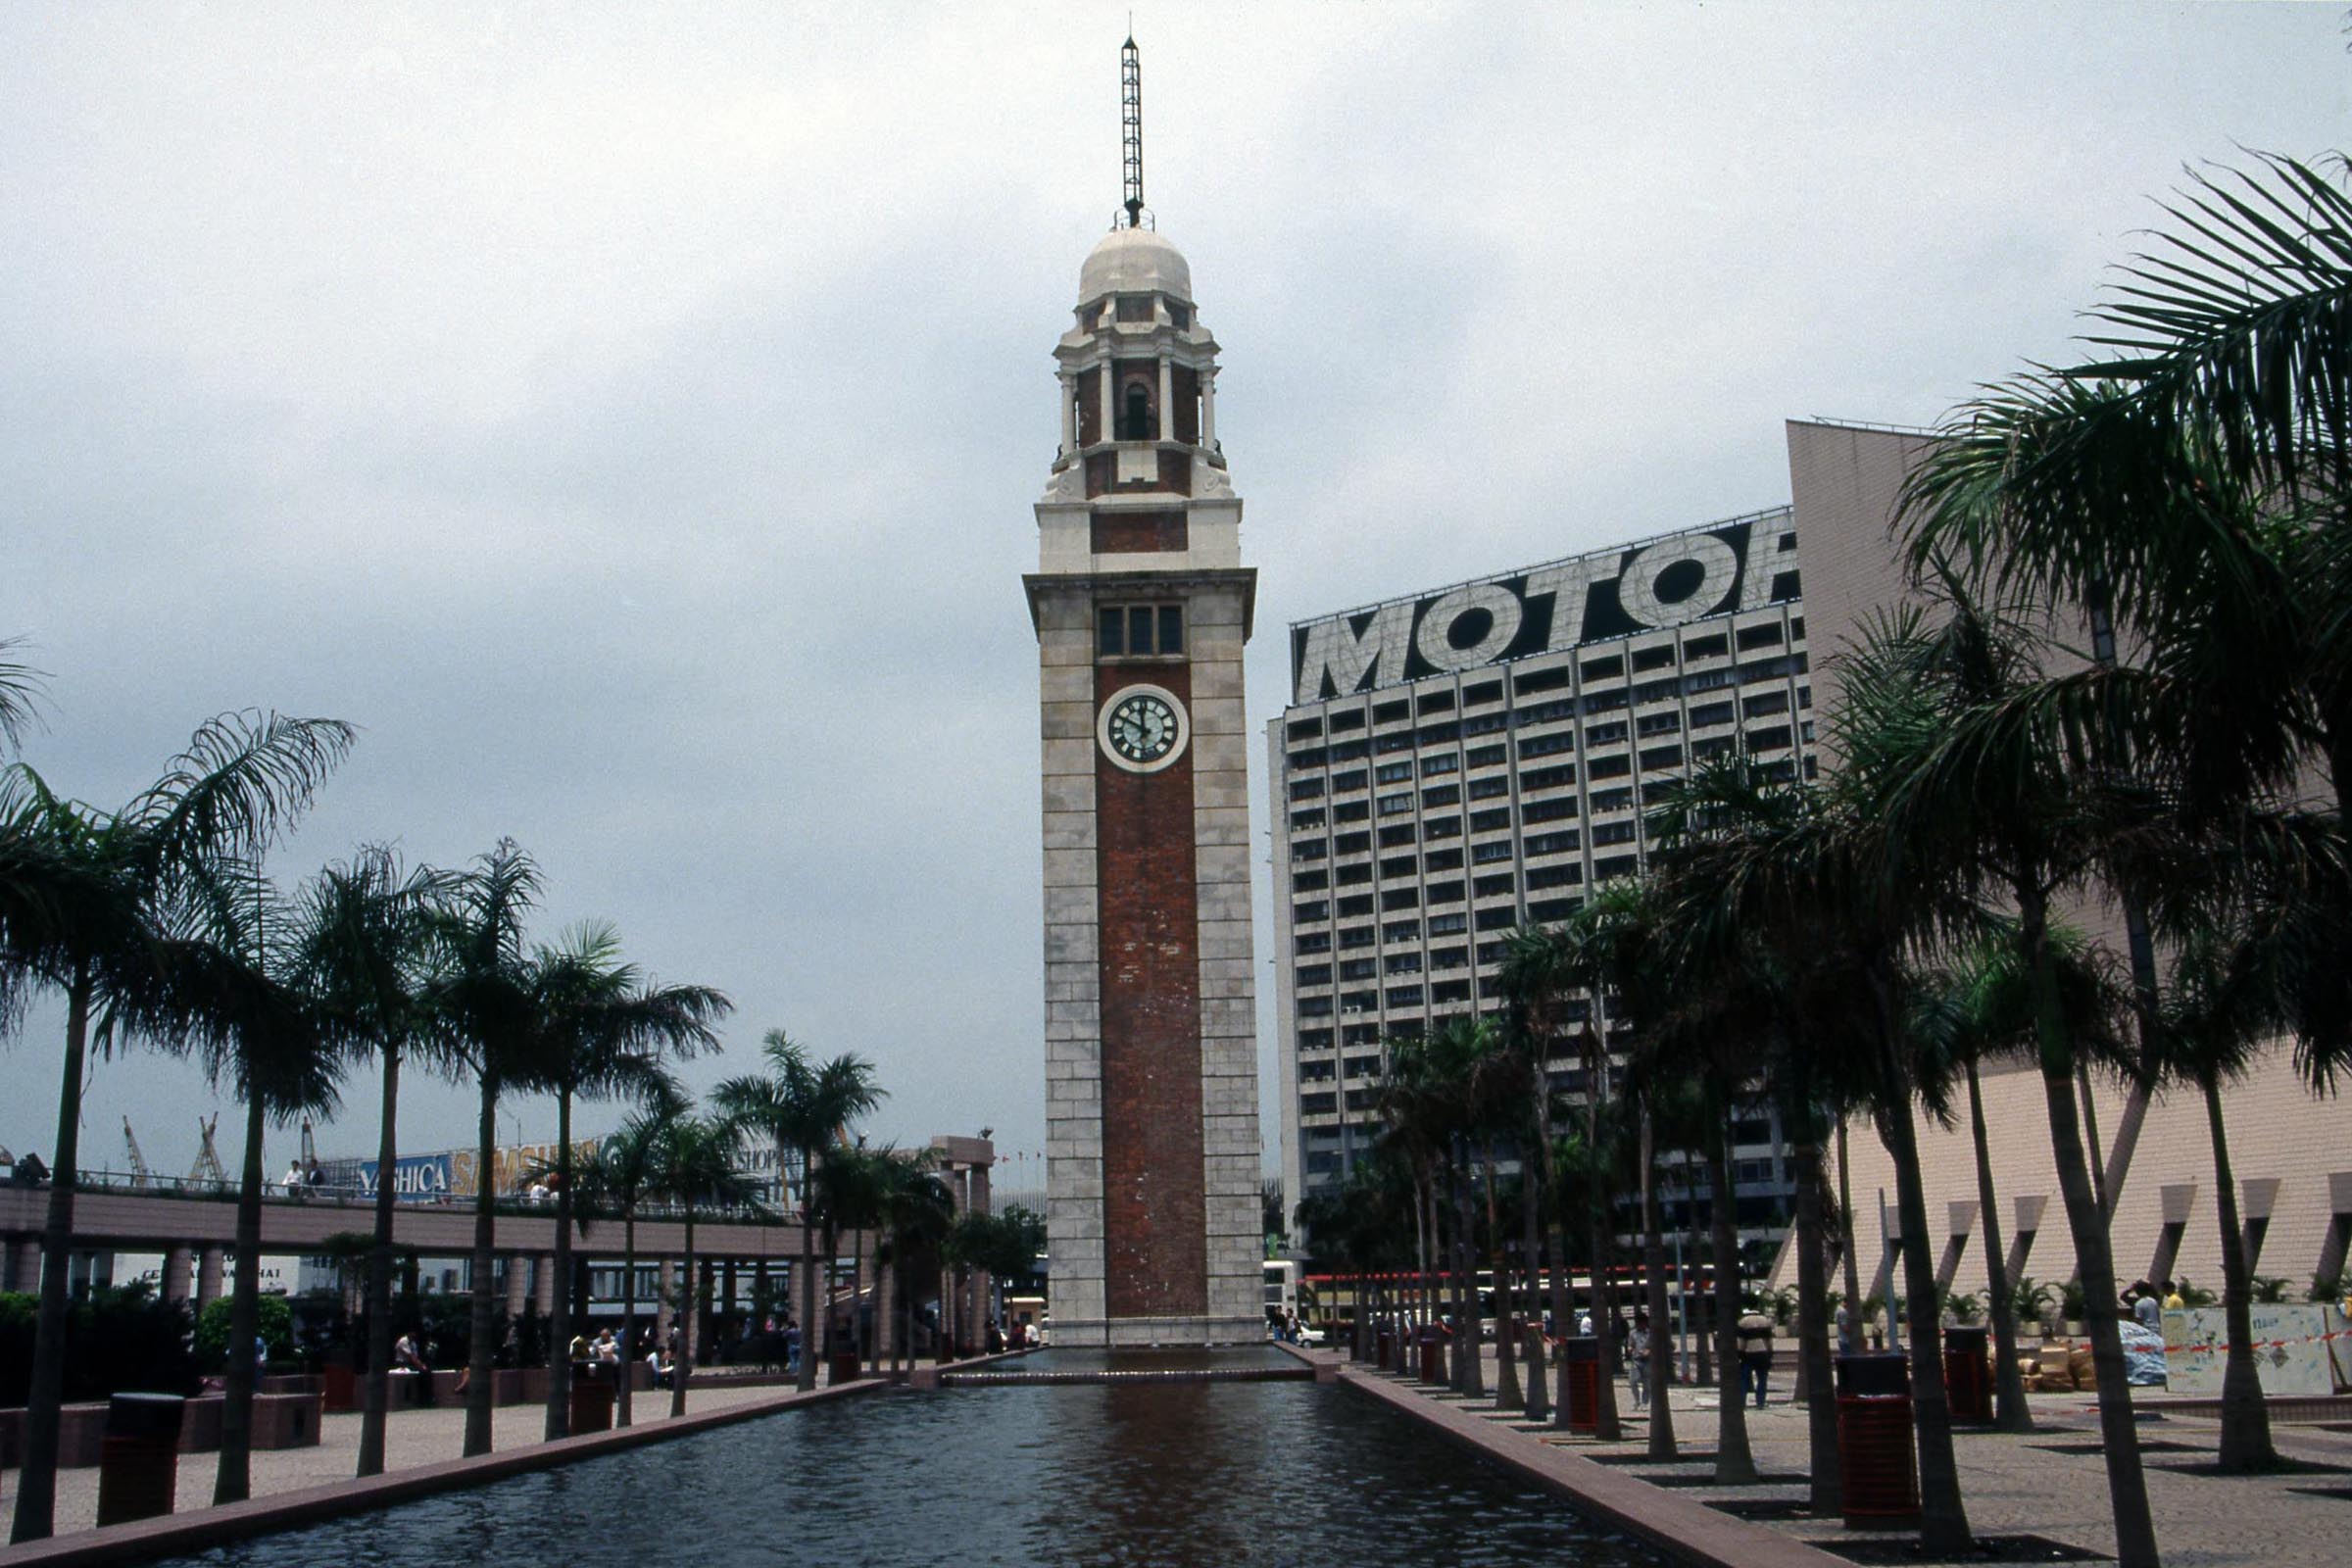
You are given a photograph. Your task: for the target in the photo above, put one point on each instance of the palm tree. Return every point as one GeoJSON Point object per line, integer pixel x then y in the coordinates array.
{"type": "Point", "coordinates": [852, 1189]}
{"type": "Point", "coordinates": [600, 1031]}
{"type": "Point", "coordinates": [486, 998]}
{"type": "Point", "coordinates": [362, 945]}
{"type": "Point", "coordinates": [1538, 984]}
{"type": "Point", "coordinates": [619, 1180]}
{"type": "Point", "coordinates": [19, 694]}
{"type": "Point", "coordinates": [694, 1168]}
{"type": "Point", "coordinates": [82, 892]}
{"type": "Point", "coordinates": [1991, 802]}
{"type": "Point", "coordinates": [281, 1053]}
{"type": "Point", "coordinates": [918, 1211]}
{"type": "Point", "coordinates": [804, 1106]}
{"type": "Point", "coordinates": [2223, 1006]}
{"type": "Point", "coordinates": [1796, 904]}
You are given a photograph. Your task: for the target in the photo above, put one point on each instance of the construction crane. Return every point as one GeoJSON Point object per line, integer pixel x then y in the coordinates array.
{"type": "Point", "coordinates": [207, 1159]}
{"type": "Point", "coordinates": [138, 1161]}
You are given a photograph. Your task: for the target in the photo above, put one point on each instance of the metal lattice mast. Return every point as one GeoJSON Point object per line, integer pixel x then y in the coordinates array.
{"type": "Point", "coordinates": [1131, 143]}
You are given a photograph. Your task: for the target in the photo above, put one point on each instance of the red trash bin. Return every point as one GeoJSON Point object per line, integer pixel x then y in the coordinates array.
{"type": "Point", "coordinates": [1876, 1462]}
{"type": "Point", "coordinates": [1580, 1355]}
{"type": "Point", "coordinates": [138, 1458]}
{"type": "Point", "coordinates": [1967, 1373]}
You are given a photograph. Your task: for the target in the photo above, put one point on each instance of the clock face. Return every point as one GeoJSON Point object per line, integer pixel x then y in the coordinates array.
{"type": "Point", "coordinates": [1143, 728]}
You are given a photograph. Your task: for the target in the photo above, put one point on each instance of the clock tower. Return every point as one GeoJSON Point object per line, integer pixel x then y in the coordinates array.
{"type": "Point", "coordinates": [1142, 606]}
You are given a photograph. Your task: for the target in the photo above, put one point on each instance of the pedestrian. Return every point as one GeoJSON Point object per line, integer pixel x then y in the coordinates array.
{"type": "Point", "coordinates": [1636, 1360]}
{"type": "Point", "coordinates": [409, 1357]}
{"type": "Point", "coordinates": [1755, 1352]}
{"type": "Point", "coordinates": [2173, 1301]}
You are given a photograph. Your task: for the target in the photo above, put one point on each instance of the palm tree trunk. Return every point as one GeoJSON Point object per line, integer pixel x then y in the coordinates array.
{"type": "Point", "coordinates": [1943, 1517]}
{"type": "Point", "coordinates": [479, 1351]}
{"type": "Point", "coordinates": [2245, 1418]}
{"type": "Point", "coordinates": [1599, 1229]}
{"type": "Point", "coordinates": [628, 1310]}
{"type": "Point", "coordinates": [1852, 1265]}
{"type": "Point", "coordinates": [1735, 1461]}
{"type": "Point", "coordinates": [1531, 1206]}
{"type": "Point", "coordinates": [806, 1275]}
{"type": "Point", "coordinates": [690, 1342]}
{"type": "Point", "coordinates": [1812, 1316]}
{"type": "Point", "coordinates": [2094, 1260]}
{"type": "Point", "coordinates": [2010, 1410]}
{"type": "Point", "coordinates": [857, 1338]}
{"type": "Point", "coordinates": [1470, 1373]}
{"type": "Point", "coordinates": [824, 1306]}
{"type": "Point", "coordinates": [374, 1398]}
{"type": "Point", "coordinates": [1508, 1395]}
{"type": "Point", "coordinates": [559, 1327]}
{"type": "Point", "coordinates": [1661, 1339]}
{"type": "Point", "coordinates": [44, 1404]}
{"type": "Point", "coordinates": [2095, 1266]}
{"type": "Point", "coordinates": [233, 1480]}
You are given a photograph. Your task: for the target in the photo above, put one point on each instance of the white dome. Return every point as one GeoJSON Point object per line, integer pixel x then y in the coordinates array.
{"type": "Point", "coordinates": [1134, 260]}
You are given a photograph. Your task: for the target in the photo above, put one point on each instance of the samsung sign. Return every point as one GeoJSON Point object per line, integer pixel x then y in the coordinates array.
{"type": "Point", "coordinates": [1743, 564]}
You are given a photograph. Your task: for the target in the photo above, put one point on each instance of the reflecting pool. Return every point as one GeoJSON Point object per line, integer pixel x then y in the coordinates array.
{"type": "Point", "coordinates": [1076, 1474]}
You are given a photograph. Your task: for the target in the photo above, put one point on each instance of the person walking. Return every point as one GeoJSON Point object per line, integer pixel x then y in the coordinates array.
{"type": "Point", "coordinates": [1755, 1352]}
{"type": "Point", "coordinates": [1636, 1360]}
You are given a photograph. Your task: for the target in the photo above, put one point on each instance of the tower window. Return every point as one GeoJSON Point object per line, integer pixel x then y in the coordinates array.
{"type": "Point", "coordinates": [1129, 630]}
{"type": "Point", "coordinates": [1135, 413]}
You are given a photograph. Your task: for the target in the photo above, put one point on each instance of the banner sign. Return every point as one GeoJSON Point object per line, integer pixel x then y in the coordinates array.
{"type": "Point", "coordinates": [1744, 563]}
{"type": "Point", "coordinates": [2297, 1350]}
{"type": "Point", "coordinates": [416, 1179]}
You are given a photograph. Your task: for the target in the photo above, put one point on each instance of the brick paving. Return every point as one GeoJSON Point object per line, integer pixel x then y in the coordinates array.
{"type": "Point", "coordinates": [2016, 1485]}
{"type": "Point", "coordinates": [411, 1439]}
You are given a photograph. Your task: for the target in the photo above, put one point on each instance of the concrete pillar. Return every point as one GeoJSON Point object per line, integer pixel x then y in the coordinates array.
{"type": "Point", "coordinates": [1167, 399]}
{"type": "Point", "coordinates": [178, 1267]}
{"type": "Point", "coordinates": [1069, 415]}
{"type": "Point", "coordinates": [1109, 398]}
{"type": "Point", "coordinates": [1208, 407]}
{"type": "Point", "coordinates": [519, 1283]}
{"type": "Point", "coordinates": [208, 1277]}
{"type": "Point", "coordinates": [543, 1293]}
{"type": "Point", "coordinates": [726, 1294]}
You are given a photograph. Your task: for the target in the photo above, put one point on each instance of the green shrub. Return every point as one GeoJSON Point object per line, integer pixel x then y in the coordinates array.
{"type": "Point", "coordinates": [2269, 1289]}
{"type": "Point", "coordinates": [118, 1340]}
{"type": "Point", "coordinates": [275, 1323]}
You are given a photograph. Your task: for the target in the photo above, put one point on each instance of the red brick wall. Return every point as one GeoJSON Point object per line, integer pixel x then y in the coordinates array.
{"type": "Point", "coordinates": [1154, 1215]}
{"type": "Point", "coordinates": [1126, 533]}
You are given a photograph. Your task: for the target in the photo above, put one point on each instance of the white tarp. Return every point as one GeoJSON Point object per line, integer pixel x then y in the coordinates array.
{"type": "Point", "coordinates": [2297, 1350]}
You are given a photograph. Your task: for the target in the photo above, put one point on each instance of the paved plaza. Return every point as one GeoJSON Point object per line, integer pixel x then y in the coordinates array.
{"type": "Point", "coordinates": [413, 1438]}
{"type": "Point", "coordinates": [2052, 1483]}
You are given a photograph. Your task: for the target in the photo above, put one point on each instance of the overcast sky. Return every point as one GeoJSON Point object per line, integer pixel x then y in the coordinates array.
{"type": "Point", "coordinates": [630, 416]}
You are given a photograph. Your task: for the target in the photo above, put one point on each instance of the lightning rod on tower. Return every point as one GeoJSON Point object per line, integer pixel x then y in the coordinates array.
{"type": "Point", "coordinates": [1131, 143]}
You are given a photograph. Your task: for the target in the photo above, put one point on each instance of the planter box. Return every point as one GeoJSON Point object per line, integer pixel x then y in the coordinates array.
{"type": "Point", "coordinates": [285, 1420]}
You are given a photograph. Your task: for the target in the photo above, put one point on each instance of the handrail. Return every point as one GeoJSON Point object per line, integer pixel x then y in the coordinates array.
{"type": "Point", "coordinates": [284, 1194]}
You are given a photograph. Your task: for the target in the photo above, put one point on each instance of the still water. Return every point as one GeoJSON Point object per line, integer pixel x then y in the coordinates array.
{"type": "Point", "coordinates": [1071, 1476]}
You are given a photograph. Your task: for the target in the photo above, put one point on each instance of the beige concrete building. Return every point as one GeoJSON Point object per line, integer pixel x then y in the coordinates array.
{"type": "Point", "coordinates": [1467, 760]}
{"type": "Point", "coordinates": [2292, 1154]}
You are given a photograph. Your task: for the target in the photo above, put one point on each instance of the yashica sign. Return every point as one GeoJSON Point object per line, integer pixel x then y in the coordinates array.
{"type": "Point", "coordinates": [1746, 563]}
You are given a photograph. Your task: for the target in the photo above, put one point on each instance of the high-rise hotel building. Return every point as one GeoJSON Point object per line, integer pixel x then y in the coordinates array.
{"type": "Point", "coordinates": [1461, 761]}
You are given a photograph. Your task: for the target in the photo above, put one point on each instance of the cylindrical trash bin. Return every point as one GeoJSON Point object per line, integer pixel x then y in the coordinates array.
{"type": "Point", "coordinates": [845, 1366]}
{"type": "Point", "coordinates": [1581, 1354]}
{"type": "Point", "coordinates": [1967, 1373]}
{"type": "Point", "coordinates": [1383, 1355]}
{"type": "Point", "coordinates": [138, 1458]}
{"type": "Point", "coordinates": [592, 1390]}
{"type": "Point", "coordinates": [1433, 1353]}
{"type": "Point", "coordinates": [1876, 1462]}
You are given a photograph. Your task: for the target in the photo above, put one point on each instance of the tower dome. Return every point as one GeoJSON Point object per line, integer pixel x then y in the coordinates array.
{"type": "Point", "coordinates": [1134, 260]}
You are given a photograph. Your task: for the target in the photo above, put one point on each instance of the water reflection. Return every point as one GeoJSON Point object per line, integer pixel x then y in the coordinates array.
{"type": "Point", "coordinates": [1071, 1476]}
